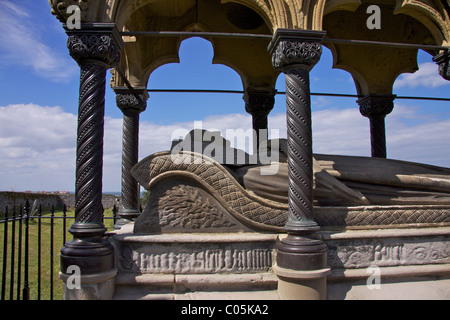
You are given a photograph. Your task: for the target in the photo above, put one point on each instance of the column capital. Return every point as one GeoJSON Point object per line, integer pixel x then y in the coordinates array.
{"type": "Point", "coordinates": [97, 43]}
{"type": "Point", "coordinates": [443, 60]}
{"type": "Point", "coordinates": [259, 102]}
{"type": "Point", "coordinates": [376, 105]}
{"type": "Point", "coordinates": [300, 48]}
{"type": "Point", "coordinates": [131, 100]}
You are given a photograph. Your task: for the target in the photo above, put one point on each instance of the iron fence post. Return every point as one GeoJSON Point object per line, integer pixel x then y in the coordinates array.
{"type": "Point", "coordinates": [26, 288]}
{"type": "Point", "coordinates": [5, 254]}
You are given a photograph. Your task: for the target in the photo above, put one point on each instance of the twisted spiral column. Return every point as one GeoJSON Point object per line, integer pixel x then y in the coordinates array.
{"type": "Point", "coordinates": [89, 162]}
{"type": "Point", "coordinates": [376, 107]}
{"type": "Point", "coordinates": [95, 47]}
{"type": "Point", "coordinates": [295, 52]}
{"type": "Point", "coordinates": [299, 136]}
{"type": "Point", "coordinates": [131, 104]}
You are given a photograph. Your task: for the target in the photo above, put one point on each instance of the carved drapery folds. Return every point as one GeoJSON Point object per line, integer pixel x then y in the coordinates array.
{"type": "Point", "coordinates": [443, 60]}
{"type": "Point", "coordinates": [95, 47]}
{"type": "Point", "coordinates": [295, 53]}
{"type": "Point", "coordinates": [132, 103]}
{"type": "Point", "coordinates": [376, 107]}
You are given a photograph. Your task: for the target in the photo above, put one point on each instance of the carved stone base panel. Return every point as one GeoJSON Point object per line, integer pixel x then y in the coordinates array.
{"type": "Point", "coordinates": [388, 248]}
{"type": "Point", "coordinates": [194, 253]}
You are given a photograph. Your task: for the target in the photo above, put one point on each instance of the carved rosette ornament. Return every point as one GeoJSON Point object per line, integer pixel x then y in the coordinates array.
{"type": "Point", "coordinates": [95, 47]}
{"type": "Point", "coordinates": [376, 107]}
{"type": "Point", "coordinates": [132, 103]}
{"type": "Point", "coordinates": [295, 52]}
{"type": "Point", "coordinates": [443, 60]}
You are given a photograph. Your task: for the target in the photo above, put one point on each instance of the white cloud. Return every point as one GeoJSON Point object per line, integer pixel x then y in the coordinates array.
{"type": "Point", "coordinates": [38, 143]}
{"type": "Point", "coordinates": [22, 45]}
{"type": "Point", "coordinates": [427, 76]}
{"type": "Point", "coordinates": [426, 139]}
{"type": "Point", "coordinates": [37, 148]}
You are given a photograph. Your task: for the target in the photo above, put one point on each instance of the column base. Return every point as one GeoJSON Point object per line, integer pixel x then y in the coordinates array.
{"type": "Point", "coordinates": [301, 285]}
{"type": "Point", "coordinates": [99, 286]}
{"type": "Point", "coordinates": [126, 216]}
{"type": "Point", "coordinates": [301, 253]}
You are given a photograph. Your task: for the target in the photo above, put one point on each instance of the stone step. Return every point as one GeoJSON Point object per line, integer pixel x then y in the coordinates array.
{"type": "Point", "coordinates": [258, 286]}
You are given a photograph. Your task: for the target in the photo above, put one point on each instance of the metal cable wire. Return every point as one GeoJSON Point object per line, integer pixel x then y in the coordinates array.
{"type": "Point", "coordinates": [340, 95]}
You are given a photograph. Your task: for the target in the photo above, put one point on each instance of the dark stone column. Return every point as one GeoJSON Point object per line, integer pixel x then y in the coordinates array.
{"type": "Point", "coordinates": [443, 60]}
{"type": "Point", "coordinates": [376, 107]}
{"type": "Point", "coordinates": [95, 47]}
{"type": "Point", "coordinates": [132, 103]}
{"type": "Point", "coordinates": [295, 52]}
{"type": "Point", "coordinates": [259, 103]}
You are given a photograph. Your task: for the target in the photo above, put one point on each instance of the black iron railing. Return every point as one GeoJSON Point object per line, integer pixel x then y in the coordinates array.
{"type": "Point", "coordinates": [30, 250]}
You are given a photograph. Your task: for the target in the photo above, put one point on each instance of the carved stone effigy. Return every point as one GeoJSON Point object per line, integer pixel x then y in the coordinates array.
{"type": "Point", "coordinates": [193, 192]}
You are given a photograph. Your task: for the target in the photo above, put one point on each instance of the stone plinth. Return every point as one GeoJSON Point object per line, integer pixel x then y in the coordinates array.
{"type": "Point", "coordinates": [183, 265]}
{"type": "Point", "coordinates": [413, 262]}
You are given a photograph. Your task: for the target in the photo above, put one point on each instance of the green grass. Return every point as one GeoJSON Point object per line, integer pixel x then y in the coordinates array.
{"type": "Point", "coordinates": [45, 260]}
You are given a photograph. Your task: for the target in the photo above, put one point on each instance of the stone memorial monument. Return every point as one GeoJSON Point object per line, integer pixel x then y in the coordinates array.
{"type": "Point", "coordinates": [282, 223]}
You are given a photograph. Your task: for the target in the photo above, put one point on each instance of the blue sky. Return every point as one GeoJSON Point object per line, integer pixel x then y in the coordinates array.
{"type": "Point", "coordinates": [39, 101]}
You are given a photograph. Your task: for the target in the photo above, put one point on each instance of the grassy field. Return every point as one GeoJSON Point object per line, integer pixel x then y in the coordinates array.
{"type": "Point", "coordinates": [47, 266]}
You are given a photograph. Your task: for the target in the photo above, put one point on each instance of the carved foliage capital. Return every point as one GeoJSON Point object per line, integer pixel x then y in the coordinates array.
{"type": "Point", "coordinates": [443, 60]}
{"type": "Point", "coordinates": [288, 53]}
{"type": "Point", "coordinates": [259, 102]}
{"type": "Point", "coordinates": [134, 102]}
{"type": "Point", "coordinates": [296, 48]}
{"type": "Point", "coordinates": [90, 45]}
{"type": "Point", "coordinates": [375, 105]}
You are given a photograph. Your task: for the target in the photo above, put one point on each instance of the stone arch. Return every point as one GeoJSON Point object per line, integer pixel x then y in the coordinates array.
{"type": "Point", "coordinates": [410, 21]}
{"type": "Point", "coordinates": [433, 14]}
{"type": "Point", "coordinates": [248, 57]}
